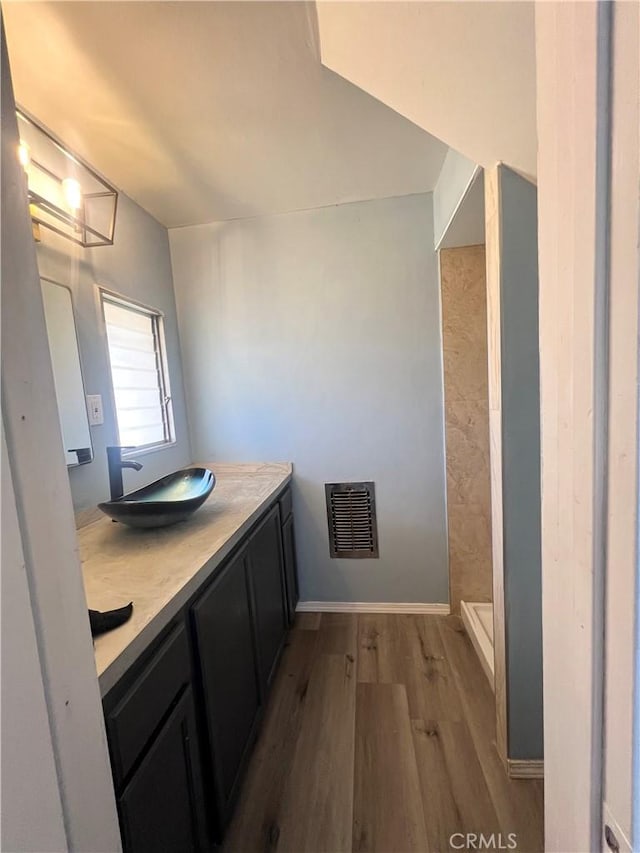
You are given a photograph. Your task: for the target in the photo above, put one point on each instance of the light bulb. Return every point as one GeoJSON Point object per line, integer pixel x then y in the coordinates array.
{"type": "Point", "coordinates": [24, 154]}
{"type": "Point", "coordinates": [72, 193]}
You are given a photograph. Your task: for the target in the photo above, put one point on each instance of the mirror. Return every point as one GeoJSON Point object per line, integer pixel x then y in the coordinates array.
{"type": "Point", "coordinates": [67, 373]}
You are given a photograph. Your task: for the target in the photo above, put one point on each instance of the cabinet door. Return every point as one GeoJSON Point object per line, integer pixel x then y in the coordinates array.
{"type": "Point", "coordinates": [140, 711]}
{"type": "Point", "coordinates": [226, 651]}
{"type": "Point", "coordinates": [267, 582]}
{"type": "Point", "coordinates": [290, 567]}
{"type": "Point", "coordinates": [161, 808]}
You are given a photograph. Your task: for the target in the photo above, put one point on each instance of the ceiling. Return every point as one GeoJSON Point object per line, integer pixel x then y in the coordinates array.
{"type": "Point", "coordinates": [466, 71]}
{"type": "Point", "coordinates": [204, 111]}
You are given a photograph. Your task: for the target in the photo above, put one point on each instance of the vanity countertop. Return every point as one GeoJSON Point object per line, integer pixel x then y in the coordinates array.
{"type": "Point", "coordinates": [160, 569]}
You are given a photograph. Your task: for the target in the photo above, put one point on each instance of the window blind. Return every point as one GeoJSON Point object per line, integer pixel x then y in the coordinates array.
{"type": "Point", "coordinates": [140, 385]}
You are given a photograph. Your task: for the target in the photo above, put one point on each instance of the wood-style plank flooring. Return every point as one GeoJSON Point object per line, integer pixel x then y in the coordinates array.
{"type": "Point", "coordinates": [380, 736]}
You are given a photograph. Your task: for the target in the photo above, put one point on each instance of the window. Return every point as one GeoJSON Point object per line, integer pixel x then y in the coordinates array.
{"type": "Point", "coordinates": [135, 338]}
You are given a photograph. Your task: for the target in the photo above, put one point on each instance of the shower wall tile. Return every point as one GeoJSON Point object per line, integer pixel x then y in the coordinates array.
{"type": "Point", "coordinates": [464, 323]}
{"type": "Point", "coordinates": [464, 343]}
{"type": "Point", "coordinates": [467, 373]}
{"type": "Point", "coordinates": [469, 553]}
{"type": "Point", "coordinates": [467, 436]}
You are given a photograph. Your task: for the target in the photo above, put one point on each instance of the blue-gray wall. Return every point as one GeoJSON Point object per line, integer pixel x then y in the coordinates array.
{"type": "Point", "coordinates": [137, 265]}
{"type": "Point", "coordinates": [521, 463]}
{"type": "Point", "coordinates": [454, 181]}
{"type": "Point", "coordinates": [315, 337]}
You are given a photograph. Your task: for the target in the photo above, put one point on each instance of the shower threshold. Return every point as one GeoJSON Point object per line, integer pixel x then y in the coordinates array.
{"type": "Point", "coordinates": [478, 620]}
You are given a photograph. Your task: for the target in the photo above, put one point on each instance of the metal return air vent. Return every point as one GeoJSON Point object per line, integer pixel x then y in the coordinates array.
{"type": "Point", "coordinates": [351, 514]}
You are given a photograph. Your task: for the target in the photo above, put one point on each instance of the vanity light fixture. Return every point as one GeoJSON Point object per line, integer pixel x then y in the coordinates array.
{"type": "Point", "coordinates": [24, 155]}
{"type": "Point", "coordinates": [65, 194]}
{"type": "Point", "coordinates": [72, 194]}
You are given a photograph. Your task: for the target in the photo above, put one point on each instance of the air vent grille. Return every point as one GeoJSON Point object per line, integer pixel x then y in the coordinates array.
{"type": "Point", "coordinates": [351, 515]}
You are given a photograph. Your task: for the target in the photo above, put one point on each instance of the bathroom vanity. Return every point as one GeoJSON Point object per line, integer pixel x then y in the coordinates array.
{"type": "Point", "coordinates": [185, 682]}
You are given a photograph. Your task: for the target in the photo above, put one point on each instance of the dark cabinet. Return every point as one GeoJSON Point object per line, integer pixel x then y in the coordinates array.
{"type": "Point", "coordinates": [225, 645]}
{"type": "Point", "coordinates": [161, 808]}
{"type": "Point", "coordinates": [267, 584]}
{"type": "Point", "coordinates": [290, 567]}
{"type": "Point", "coordinates": [182, 721]}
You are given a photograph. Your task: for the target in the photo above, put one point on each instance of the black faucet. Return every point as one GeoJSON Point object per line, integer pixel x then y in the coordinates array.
{"type": "Point", "coordinates": [116, 464]}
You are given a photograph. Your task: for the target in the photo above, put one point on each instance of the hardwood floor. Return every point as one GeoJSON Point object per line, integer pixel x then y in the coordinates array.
{"type": "Point", "coordinates": [380, 736]}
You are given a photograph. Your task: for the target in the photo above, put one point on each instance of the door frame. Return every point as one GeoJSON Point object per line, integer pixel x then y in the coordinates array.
{"type": "Point", "coordinates": [570, 211]}
{"type": "Point", "coordinates": [44, 510]}
{"type": "Point", "coordinates": [575, 92]}
{"type": "Point", "coordinates": [494, 353]}
{"type": "Point", "coordinates": [623, 432]}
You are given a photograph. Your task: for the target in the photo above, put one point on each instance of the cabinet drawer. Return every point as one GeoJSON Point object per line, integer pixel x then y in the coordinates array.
{"type": "Point", "coordinates": [139, 713]}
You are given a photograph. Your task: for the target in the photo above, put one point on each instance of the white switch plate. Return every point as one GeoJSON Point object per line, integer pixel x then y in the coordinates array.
{"type": "Point", "coordinates": [94, 408]}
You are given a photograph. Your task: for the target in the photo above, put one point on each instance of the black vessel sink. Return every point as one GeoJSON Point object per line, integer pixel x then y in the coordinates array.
{"type": "Point", "coordinates": [167, 501]}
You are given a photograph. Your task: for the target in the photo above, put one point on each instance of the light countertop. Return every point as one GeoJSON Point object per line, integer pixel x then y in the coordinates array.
{"type": "Point", "coordinates": [159, 570]}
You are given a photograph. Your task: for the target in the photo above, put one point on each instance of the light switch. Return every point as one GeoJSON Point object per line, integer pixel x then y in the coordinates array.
{"type": "Point", "coordinates": [94, 408]}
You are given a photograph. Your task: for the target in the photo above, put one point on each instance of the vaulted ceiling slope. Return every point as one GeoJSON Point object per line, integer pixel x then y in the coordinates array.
{"type": "Point", "coordinates": [205, 111]}
{"type": "Point", "coordinates": [465, 71]}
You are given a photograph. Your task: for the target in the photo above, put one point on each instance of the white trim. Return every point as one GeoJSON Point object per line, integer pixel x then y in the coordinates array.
{"type": "Point", "coordinates": [620, 788]}
{"type": "Point", "coordinates": [44, 510]}
{"type": "Point", "coordinates": [493, 246]}
{"type": "Point", "coordinates": [572, 221]}
{"type": "Point", "coordinates": [520, 768]}
{"type": "Point", "coordinates": [372, 607]}
{"type": "Point", "coordinates": [35, 822]}
{"type": "Point", "coordinates": [480, 640]}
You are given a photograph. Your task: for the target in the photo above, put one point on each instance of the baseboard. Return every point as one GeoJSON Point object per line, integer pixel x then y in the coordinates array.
{"type": "Point", "coordinates": [522, 769]}
{"type": "Point", "coordinates": [371, 607]}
